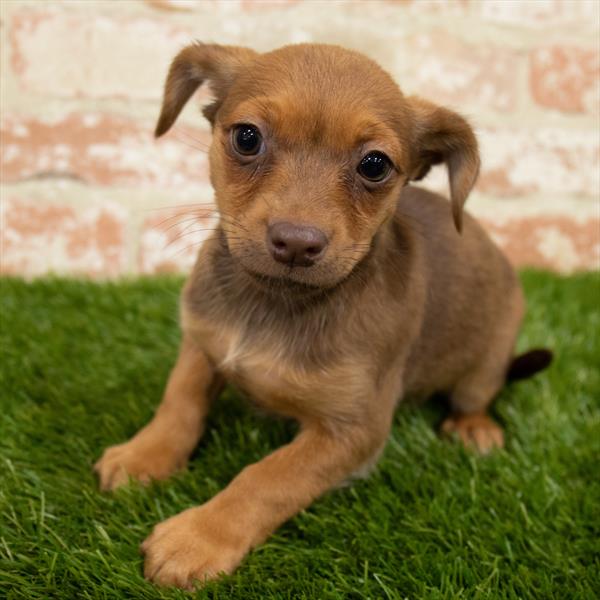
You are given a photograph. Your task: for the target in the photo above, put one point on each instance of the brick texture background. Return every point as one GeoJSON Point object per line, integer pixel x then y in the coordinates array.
{"type": "Point", "coordinates": [86, 190]}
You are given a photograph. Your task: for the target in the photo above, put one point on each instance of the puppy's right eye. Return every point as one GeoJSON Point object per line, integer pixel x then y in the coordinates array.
{"type": "Point", "coordinates": [374, 166]}
{"type": "Point", "coordinates": [246, 139]}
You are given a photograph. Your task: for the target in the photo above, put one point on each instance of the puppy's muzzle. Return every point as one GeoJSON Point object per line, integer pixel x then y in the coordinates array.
{"type": "Point", "coordinates": [296, 245]}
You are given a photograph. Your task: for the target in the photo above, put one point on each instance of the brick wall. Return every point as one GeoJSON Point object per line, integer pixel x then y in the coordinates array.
{"type": "Point", "coordinates": [86, 190]}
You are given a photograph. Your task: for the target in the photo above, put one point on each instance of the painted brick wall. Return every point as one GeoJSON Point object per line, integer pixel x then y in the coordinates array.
{"type": "Point", "coordinates": [86, 190]}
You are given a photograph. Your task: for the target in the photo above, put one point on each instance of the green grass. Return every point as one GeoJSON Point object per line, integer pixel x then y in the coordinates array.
{"type": "Point", "coordinates": [82, 366]}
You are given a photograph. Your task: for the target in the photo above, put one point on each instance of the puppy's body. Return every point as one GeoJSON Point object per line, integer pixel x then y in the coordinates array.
{"type": "Point", "coordinates": [473, 305]}
{"type": "Point", "coordinates": [332, 289]}
{"type": "Point", "coordinates": [426, 303]}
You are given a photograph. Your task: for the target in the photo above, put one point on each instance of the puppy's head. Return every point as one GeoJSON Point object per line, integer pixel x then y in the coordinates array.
{"type": "Point", "coordinates": [311, 146]}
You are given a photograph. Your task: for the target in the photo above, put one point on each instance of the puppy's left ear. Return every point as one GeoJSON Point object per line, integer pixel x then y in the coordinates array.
{"type": "Point", "coordinates": [441, 135]}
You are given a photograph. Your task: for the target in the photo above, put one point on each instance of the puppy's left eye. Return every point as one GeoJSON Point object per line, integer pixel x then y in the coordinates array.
{"type": "Point", "coordinates": [246, 139]}
{"type": "Point", "coordinates": [374, 166]}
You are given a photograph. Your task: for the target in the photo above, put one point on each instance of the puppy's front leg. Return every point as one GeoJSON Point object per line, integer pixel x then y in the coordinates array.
{"type": "Point", "coordinates": [204, 541]}
{"type": "Point", "coordinates": [164, 445]}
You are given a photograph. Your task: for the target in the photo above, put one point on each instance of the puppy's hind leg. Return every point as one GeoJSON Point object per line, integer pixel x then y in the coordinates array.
{"type": "Point", "coordinates": [475, 392]}
{"type": "Point", "coordinates": [474, 427]}
{"type": "Point", "coordinates": [164, 445]}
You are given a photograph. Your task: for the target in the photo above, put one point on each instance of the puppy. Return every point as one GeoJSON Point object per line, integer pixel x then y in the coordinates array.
{"type": "Point", "coordinates": [331, 289]}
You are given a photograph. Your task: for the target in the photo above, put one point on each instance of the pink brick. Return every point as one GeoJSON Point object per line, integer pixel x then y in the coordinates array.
{"type": "Point", "coordinates": [541, 13]}
{"type": "Point", "coordinates": [566, 78]}
{"type": "Point", "coordinates": [436, 7]}
{"type": "Point", "coordinates": [442, 68]}
{"type": "Point", "coordinates": [174, 5]}
{"type": "Point", "coordinates": [75, 54]}
{"type": "Point", "coordinates": [266, 4]}
{"type": "Point", "coordinates": [554, 242]}
{"type": "Point", "coordinates": [549, 160]}
{"type": "Point", "coordinates": [102, 149]}
{"type": "Point", "coordinates": [198, 5]}
{"type": "Point", "coordinates": [172, 237]}
{"type": "Point", "coordinates": [39, 237]}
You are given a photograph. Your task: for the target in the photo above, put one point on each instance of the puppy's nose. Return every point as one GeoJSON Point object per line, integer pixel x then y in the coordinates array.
{"type": "Point", "coordinates": [296, 245]}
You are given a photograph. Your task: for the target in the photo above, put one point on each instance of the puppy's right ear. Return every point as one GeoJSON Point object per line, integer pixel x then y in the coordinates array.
{"type": "Point", "coordinates": [195, 64]}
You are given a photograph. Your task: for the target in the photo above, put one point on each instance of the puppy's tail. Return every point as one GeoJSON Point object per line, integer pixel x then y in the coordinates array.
{"type": "Point", "coordinates": [528, 364]}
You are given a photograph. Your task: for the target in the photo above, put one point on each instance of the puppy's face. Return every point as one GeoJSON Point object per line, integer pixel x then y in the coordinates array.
{"type": "Point", "coordinates": [306, 163]}
{"type": "Point", "coordinates": [311, 146]}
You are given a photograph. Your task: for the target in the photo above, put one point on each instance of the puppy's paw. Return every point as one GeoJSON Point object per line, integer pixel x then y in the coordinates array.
{"type": "Point", "coordinates": [191, 548]}
{"type": "Point", "coordinates": [140, 458]}
{"type": "Point", "coordinates": [478, 432]}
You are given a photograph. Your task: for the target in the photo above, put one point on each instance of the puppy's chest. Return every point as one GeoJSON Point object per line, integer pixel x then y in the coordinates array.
{"type": "Point", "coordinates": [276, 379]}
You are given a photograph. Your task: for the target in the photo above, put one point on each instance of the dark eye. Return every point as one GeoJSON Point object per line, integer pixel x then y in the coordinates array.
{"type": "Point", "coordinates": [374, 166]}
{"type": "Point", "coordinates": [246, 139]}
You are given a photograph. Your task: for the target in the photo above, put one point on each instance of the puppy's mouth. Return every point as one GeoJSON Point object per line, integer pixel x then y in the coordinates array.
{"type": "Point", "coordinates": [290, 278]}
{"type": "Point", "coordinates": [287, 281]}
{"type": "Point", "coordinates": [271, 275]}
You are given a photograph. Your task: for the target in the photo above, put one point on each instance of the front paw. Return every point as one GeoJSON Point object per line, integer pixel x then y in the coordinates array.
{"type": "Point", "coordinates": [192, 547]}
{"type": "Point", "coordinates": [142, 458]}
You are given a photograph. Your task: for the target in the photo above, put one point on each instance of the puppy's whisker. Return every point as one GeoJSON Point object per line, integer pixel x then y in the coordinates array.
{"type": "Point", "coordinates": [198, 214]}
{"type": "Point", "coordinates": [187, 134]}
{"type": "Point", "coordinates": [199, 217]}
{"type": "Point", "coordinates": [185, 217]}
{"type": "Point", "coordinates": [192, 232]}
{"type": "Point", "coordinates": [185, 249]}
{"type": "Point", "coordinates": [189, 145]}
{"type": "Point", "coordinates": [201, 213]}
{"type": "Point", "coordinates": [178, 238]}
{"type": "Point", "coordinates": [176, 206]}
{"type": "Point", "coordinates": [236, 223]}
{"type": "Point", "coordinates": [187, 138]}
{"type": "Point", "coordinates": [194, 219]}
{"type": "Point", "coordinates": [189, 247]}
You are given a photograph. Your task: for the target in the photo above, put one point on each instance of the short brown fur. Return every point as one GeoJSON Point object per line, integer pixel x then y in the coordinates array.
{"type": "Point", "coordinates": [401, 304]}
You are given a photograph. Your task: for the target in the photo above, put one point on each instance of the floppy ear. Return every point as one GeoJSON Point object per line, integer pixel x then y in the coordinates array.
{"type": "Point", "coordinates": [196, 63]}
{"type": "Point", "coordinates": [442, 135]}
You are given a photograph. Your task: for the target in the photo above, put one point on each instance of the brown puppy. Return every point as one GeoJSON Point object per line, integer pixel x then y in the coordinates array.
{"type": "Point", "coordinates": [331, 289]}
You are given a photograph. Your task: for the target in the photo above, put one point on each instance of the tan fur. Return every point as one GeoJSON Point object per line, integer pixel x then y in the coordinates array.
{"type": "Point", "coordinates": [399, 305]}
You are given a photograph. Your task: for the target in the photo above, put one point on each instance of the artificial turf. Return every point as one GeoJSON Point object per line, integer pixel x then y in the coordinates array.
{"type": "Point", "coordinates": [83, 365]}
